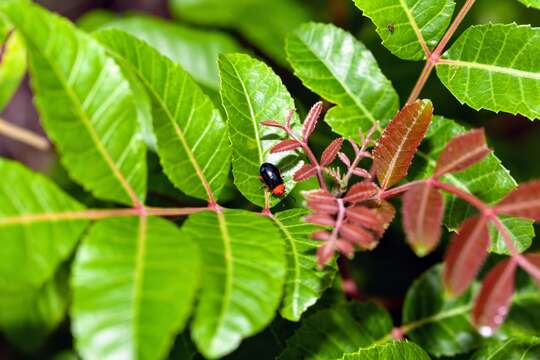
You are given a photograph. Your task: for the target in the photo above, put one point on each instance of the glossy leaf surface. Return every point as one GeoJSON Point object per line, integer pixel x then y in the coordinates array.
{"type": "Point", "coordinates": [244, 262]}
{"type": "Point", "coordinates": [396, 350]}
{"type": "Point", "coordinates": [495, 67]}
{"type": "Point", "coordinates": [252, 93]}
{"type": "Point", "coordinates": [85, 104]}
{"type": "Point", "coordinates": [333, 64]}
{"type": "Point", "coordinates": [191, 134]}
{"type": "Point", "coordinates": [522, 202]}
{"type": "Point", "coordinates": [134, 282]}
{"type": "Point", "coordinates": [526, 348]}
{"type": "Point", "coordinates": [404, 24]}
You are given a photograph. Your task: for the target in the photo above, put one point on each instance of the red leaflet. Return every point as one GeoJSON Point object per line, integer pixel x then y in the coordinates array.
{"type": "Point", "coordinates": [305, 172]}
{"type": "Point", "coordinates": [493, 301]}
{"type": "Point", "coordinates": [325, 253]}
{"type": "Point", "coordinates": [272, 123]}
{"type": "Point", "coordinates": [465, 254]}
{"type": "Point", "coordinates": [322, 202]}
{"type": "Point", "coordinates": [423, 209]}
{"type": "Point", "coordinates": [522, 202]}
{"type": "Point", "coordinates": [322, 235]}
{"type": "Point", "coordinates": [344, 159]}
{"type": "Point", "coordinates": [361, 172]}
{"type": "Point", "coordinates": [366, 217]}
{"type": "Point", "coordinates": [358, 236]}
{"type": "Point", "coordinates": [330, 153]}
{"type": "Point", "coordinates": [285, 145]}
{"type": "Point", "coordinates": [386, 212]}
{"type": "Point", "coordinates": [534, 258]}
{"type": "Point", "coordinates": [398, 143]}
{"type": "Point", "coordinates": [360, 192]}
{"type": "Point", "coordinates": [311, 120]}
{"type": "Point", "coordinates": [345, 247]}
{"type": "Point", "coordinates": [320, 219]}
{"type": "Point", "coordinates": [462, 151]}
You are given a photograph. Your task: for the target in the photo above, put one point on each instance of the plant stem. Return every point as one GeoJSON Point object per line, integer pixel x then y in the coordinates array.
{"type": "Point", "coordinates": [390, 193]}
{"type": "Point", "coordinates": [468, 197]}
{"type": "Point", "coordinates": [422, 79]}
{"type": "Point", "coordinates": [23, 135]}
{"type": "Point", "coordinates": [453, 27]}
{"type": "Point", "coordinates": [347, 282]}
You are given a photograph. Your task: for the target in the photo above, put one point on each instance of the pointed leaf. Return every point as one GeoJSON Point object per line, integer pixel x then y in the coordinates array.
{"type": "Point", "coordinates": [330, 333]}
{"type": "Point", "coordinates": [362, 173]}
{"type": "Point", "coordinates": [466, 253]}
{"type": "Point", "coordinates": [305, 172]}
{"type": "Point", "coordinates": [396, 350]}
{"type": "Point", "coordinates": [132, 265]}
{"type": "Point", "coordinates": [239, 249]}
{"type": "Point", "coordinates": [493, 301]}
{"type": "Point", "coordinates": [522, 348]}
{"type": "Point", "coordinates": [498, 57]}
{"type": "Point", "coordinates": [325, 253]}
{"type": "Point", "coordinates": [312, 118]}
{"type": "Point", "coordinates": [398, 143]}
{"type": "Point", "coordinates": [523, 201]}
{"type": "Point", "coordinates": [386, 212]}
{"type": "Point", "coordinates": [191, 135]}
{"type": "Point", "coordinates": [461, 152]}
{"type": "Point", "coordinates": [321, 201]}
{"type": "Point", "coordinates": [358, 236]}
{"type": "Point", "coordinates": [339, 68]}
{"type": "Point", "coordinates": [12, 62]}
{"type": "Point", "coordinates": [320, 219]}
{"type": "Point", "coordinates": [404, 25]}
{"type": "Point", "coordinates": [251, 93]}
{"type": "Point", "coordinates": [360, 192]}
{"type": "Point", "coordinates": [344, 159]}
{"type": "Point", "coordinates": [423, 210]}
{"type": "Point", "coordinates": [85, 104]}
{"type": "Point", "coordinates": [304, 283]}
{"type": "Point", "coordinates": [535, 259]}
{"type": "Point", "coordinates": [285, 145]}
{"type": "Point", "coordinates": [366, 217]}
{"type": "Point", "coordinates": [329, 154]}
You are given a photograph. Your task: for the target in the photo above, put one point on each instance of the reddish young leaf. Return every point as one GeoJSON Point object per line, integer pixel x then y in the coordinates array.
{"type": "Point", "coordinates": [305, 172]}
{"type": "Point", "coordinates": [311, 120]}
{"type": "Point", "coordinates": [361, 172]}
{"type": "Point", "coordinates": [345, 248]}
{"type": "Point", "coordinates": [360, 192]}
{"type": "Point", "coordinates": [365, 217]}
{"type": "Point", "coordinates": [330, 153]}
{"type": "Point", "coordinates": [322, 235]}
{"type": "Point", "coordinates": [357, 235]}
{"type": "Point", "coordinates": [322, 202]}
{"type": "Point", "coordinates": [494, 299]}
{"type": "Point", "coordinates": [465, 254]}
{"type": "Point", "coordinates": [386, 212]}
{"type": "Point", "coordinates": [320, 219]}
{"type": "Point", "coordinates": [285, 145]}
{"type": "Point", "coordinates": [522, 202]}
{"type": "Point", "coordinates": [325, 252]}
{"type": "Point", "coordinates": [344, 159]}
{"type": "Point", "coordinates": [272, 123]}
{"type": "Point", "coordinates": [423, 209]}
{"type": "Point", "coordinates": [462, 151]}
{"type": "Point", "coordinates": [398, 143]}
{"type": "Point", "coordinates": [534, 258]}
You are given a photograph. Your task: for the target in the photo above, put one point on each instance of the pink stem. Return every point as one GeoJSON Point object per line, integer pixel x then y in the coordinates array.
{"type": "Point", "coordinates": [390, 193]}
{"type": "Point", "coordinates": [453, 27]}
{"type": "Point", "coordinates": [424, 76]}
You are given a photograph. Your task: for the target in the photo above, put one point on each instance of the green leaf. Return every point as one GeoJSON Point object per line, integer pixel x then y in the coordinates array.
{"type": "Point", "coordinates": [191, 134]}
{"type": "Point", "coordinates": [531, 3]}
{"type": "Point", "coordinates": [437, 323]}
{"type": "Point", "coordinates": [332, 63]}
{"type": "Point", "coordinates": [12, 63]}
{"type": "Point", "coordinates": [333, 332]}
{"type": "Point", "coordinates": [304, 282]}
{"type": "Point", "coordinates": [195, 50]}
{"type": "Point", "coordinates": [510, 349]}
{"type": "Point", "coordinates": [85, 103]}
{"type": "Point", "coordinates": [134, 282]}
{"type": "Point", "coordinates": [264, 23]}
{"type": "Point", "coordinates": [404, 25]}
{"type": "Point", "coordinates": [396, 350]}
{"type": "Point", "coordinates": [524, 316]}
{"type": "Point", "coordinates": [491, 67]}
{"type": "Point", "coordinates": [244, 271]}
{"type": "Point", "coordinates": [37, 227]}
{"type": "Point", "coordinates": [488, 180]}
{"type": "Point", "coordinates": [252, 93]}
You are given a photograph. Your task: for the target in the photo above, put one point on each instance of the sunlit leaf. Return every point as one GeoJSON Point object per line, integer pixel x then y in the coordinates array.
{"type": "Point", "coordinates": [243, 256]}
{"type": "Point", "coordinates": [191, 134]}
{"type": "Point", "coordinates": [333, 64]}
{"type": "Point", "coordinates": [423, 210]}
{"type": "Point", "coordinates": [522, 202]}
{"type": "Point", "coordinates": [396, 350]}
{"type": "Point", "coordinates": [404, 24]}
{"type": "Point", "coordinates": [531, 3]}
{"type": "Point", "coordinates": [12, 62]}
{"type": "Point", "coordinates": [526, 348]}
{"type": "Point", "coordinates": [85, 104]}
{"type": "Point", "coordinates": [252, 93]}
{"type": "Point", "coordinates": [493, 67]}
{"type": "Point", "coordinates": [134, 282]}
{"type": "Point", "coordinates": [398, 143]}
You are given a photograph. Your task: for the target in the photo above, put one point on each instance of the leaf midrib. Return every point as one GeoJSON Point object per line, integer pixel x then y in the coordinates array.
{"type": "Point", "coordinates": [138, 278]}
{"type": "Point", "coordinates": [492, 68]}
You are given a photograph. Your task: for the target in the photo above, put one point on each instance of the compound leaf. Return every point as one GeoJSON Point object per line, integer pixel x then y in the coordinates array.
{"type": "Point", "coordinates": [395, 350]}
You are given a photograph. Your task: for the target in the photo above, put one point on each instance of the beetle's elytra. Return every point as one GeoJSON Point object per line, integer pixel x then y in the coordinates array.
{"type": "Point", "coordinates": [272, 178]}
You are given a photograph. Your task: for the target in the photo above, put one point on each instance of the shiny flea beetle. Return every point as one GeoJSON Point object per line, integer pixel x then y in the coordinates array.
{"type": "Point", "coordinates": [272, 178]}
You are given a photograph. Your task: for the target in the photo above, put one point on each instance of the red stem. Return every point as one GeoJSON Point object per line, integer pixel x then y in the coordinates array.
{"type": "Point", "coordinates": [453, 27]}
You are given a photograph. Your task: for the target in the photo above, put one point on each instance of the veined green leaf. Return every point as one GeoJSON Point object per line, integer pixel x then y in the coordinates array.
{"type": "Point", "coordinates": [265, 23]}
{"type": "Point", "coordinates": [191, 134]}
{"type": "Point", "coordinates": [85, 103]}
{"type": "Point", "coordinates": [488, 180]}
{"type": "Point", "coordinates": [395, 350]}
{"type": "Point", "coordinates": [526, 348]}
{"type": "Point", "coordinates": [331, 333]}
{"type": "Point", "coordinates": [36, 227]}
{"type": "Point", "coordinates": [12, 63]}
{"type": "Point", "coordinates": [404, 25]}
{"type": "Point", "coordinates": [304, 282]}
{"type": "Point", "coordinates": [244, 271]}
{"type": "Point", "coordinates": [196, 50]}
{"type": "Point", "coordinates": [495, 67]}
{"type": "Point", "coordinates": [531, 3]}
{"type": "Point", "coordinates": [134, 282]}
{"type": "Point", "coordinates": [252, 93]}
{"type": "Point", "coordinates": [332, 63]}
